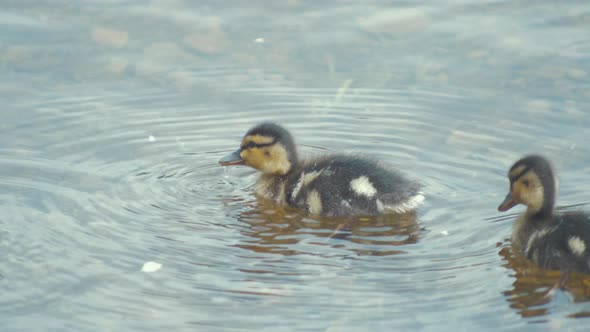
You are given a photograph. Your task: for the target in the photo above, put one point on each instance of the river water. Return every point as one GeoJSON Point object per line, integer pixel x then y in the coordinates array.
{"type": "Point", "coordinates": [114, 215]}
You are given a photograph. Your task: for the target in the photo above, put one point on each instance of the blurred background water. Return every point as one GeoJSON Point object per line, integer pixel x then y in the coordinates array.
{"type": "Point", "coordinates": [114, 215]}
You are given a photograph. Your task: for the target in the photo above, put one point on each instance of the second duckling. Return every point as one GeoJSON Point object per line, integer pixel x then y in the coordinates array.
{"type": "Point", "coordinates": [336, 185]}
{"type": "Point", "coordinates": [552, 241]}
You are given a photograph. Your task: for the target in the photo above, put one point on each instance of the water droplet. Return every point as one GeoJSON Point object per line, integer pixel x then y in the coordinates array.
{"type": "Point", "coordinates": [149, 267]}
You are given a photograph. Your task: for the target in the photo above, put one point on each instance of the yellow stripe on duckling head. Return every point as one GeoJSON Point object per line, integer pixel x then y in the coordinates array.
{"type": "Point", "coordinates": [257, 139]}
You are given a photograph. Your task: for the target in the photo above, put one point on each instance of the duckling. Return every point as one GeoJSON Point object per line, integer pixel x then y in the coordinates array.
{"type": "Point", "coordinates": [552, 241]}
{"type": "Point", "coordinates": [335, 185]}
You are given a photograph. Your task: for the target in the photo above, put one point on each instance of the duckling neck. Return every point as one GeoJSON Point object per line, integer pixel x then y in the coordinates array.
{"type": "Point", "coordinates": [275, 186]}
{"type": "Point", "coordinates": [294, 167]}
{"type": "Point", "coordinates": [543, 213]}
{"type": "Point", "coordinates": [284, 167]}
{"type": "Point", "coordinates": [294, 161]}
{"type": "Point", "coordinates": [546, 208]}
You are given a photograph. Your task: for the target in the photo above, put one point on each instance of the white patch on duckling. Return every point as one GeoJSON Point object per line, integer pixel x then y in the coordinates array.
{"type": "Point", "coordinates": [410, 204]}
{"type": "Point", "coordinates": [311, 176]}
{"type": "Point", "coordinates": [314, 202]}
{"type": "Point", "coordinates": [363, 186]}
{"type": "Point", "coordinates": [413, 202]}
{"type": "Point", "coordinates": [297, 187]}
{"type": "Point", "coordinates": [304, 180]}
{"type": "Point", "coordinates": [280, 197]}
{"type": "Point", "coordinates": [380, 206]}
{"type": "Point", "coordinates": [535, 237]}
{"type": "Point", "coordinates": [577, 245]}
{"type": "Point", "coordinates": [345, 204]}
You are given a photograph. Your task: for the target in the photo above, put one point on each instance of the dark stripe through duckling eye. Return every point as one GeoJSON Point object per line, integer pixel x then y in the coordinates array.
{"type": "Point", "coordinates": [252, 144]}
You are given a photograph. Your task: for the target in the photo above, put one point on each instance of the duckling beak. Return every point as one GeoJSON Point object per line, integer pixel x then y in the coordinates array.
{"type": "Point", "coordinates": [507, 204]}
{"type": "Point", "coordinates": [233, 158]}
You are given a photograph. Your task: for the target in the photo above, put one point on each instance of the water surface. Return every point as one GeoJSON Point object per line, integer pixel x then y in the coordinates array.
{"type": "Point", "coordinates": [116, 112]}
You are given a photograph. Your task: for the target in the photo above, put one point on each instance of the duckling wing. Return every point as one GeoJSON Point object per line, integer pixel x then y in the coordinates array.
{"type": "Point", "coordinates": [353, 185]}
{"type": "Point", "coordinates": [563, 245]}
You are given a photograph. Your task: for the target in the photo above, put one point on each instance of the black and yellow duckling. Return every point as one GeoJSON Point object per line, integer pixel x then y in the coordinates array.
{"type": "Point", "coordinates": [337, 185]}
{"type": "Point", "coordinates": [552, 241]}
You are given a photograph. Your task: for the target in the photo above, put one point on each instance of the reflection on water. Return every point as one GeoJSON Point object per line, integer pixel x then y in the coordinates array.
{"type": "Point", "coordinates": [272, 229]}
{"type": "Point", "coordinates": [535, 289]}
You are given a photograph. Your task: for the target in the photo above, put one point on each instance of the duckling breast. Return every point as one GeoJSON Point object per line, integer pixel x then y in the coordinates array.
{"type": "Point", "coordinates": [273, 188]}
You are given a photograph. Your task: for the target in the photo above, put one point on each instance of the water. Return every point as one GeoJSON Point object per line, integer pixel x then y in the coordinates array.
{"type": "Point", "coordinates": [114, 114]}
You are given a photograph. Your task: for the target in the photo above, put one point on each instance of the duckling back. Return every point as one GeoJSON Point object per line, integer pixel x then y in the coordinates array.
{"type": "Point", "coordinates": [344, 185]}
{"type": "Point", "coordinates": [561, 242]}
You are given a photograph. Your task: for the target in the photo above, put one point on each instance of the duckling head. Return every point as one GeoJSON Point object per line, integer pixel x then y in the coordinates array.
{"type": "Point", "coordinates": [531, 183]}
{"type": "Point", "coordinates": [266, 147]}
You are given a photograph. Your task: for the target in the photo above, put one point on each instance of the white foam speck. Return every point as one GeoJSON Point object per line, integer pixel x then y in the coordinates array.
{"type": "Point", "coordinates": [149, 267]}
{"type": "Point", "coordinates": [445, 232]}
{"type": "Point", "coordinates": [151, 138]}
{"type": "Point", "coordinates": [259, 40]}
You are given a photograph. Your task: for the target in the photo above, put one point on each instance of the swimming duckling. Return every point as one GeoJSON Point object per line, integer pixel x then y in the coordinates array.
{"type": "Point", "coordinates": [337, 185]}
{"type": "Point", "coordinates": [552, 241]}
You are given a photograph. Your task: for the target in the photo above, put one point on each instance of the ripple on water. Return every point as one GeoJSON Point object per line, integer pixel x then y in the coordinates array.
{"type": "Point", "coordinates": [103, 186]}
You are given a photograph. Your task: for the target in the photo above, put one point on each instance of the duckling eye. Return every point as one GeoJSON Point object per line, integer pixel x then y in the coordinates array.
{"type": "Point", "coordinates": [525, 182]}
{"type": "Point", "coordinates": [250, 145]}
{"type": "Point", "coordinates": [266, 153]}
